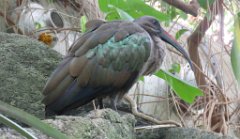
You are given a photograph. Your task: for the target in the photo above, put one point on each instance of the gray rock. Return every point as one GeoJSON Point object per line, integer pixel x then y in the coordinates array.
{"type": "Point", "coordinates": [25, 65]}
{"type": "Point", "coordinates": [178, 133]}
{"type": "Point", "coordinates": [100, 124]}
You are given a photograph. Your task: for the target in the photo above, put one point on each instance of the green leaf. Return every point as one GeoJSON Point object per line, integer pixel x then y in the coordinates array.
{"type": "Point", "coordinates": [175, 68]}
{"type": "Point", "coordinates": [8, 122]}
{"type": "Point", "coordinates": [180, 33]}
{"type": "Point", "coordinates": [141, 78]}
{"type": "Point", "coordinates": [123, 15]}
{"type": "Point", "coordinates": [139, 5]}
{"type": "Point", "coordinates": [170, 10]}
{"type": "Point", "coordinates": [113, 15]}
{"type": "Point", "coordinates": [183, 15]}
{"type": "Point", "coordinates": [30, 120]}
{"type": "Point", "coordinates": [173, 12]}
{"type": "Point", "coordinates": [134, 8]}
{"type": "Point", "coordinates": [205, 3]}
{"type": "Point", "coordinates": [83, 21]}
{"type": "Point", "coordinates": [117, 14]}
{"type": "Point", "coordinates": [37, 25]}
{"type": "Point", "coordinates": [103, 5]}
{"type": "Point", "coordinates": [184, 90]}
{"type": "Point", "coordinates": [235, 52]}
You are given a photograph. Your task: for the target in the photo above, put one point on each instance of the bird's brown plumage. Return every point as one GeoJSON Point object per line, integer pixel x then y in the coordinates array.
{"type": "Point", "coordinates": [105, 61]}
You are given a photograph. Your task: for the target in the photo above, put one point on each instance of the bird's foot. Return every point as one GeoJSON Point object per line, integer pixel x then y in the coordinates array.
{"type": "Point", "coordinates": [113, 105]}
{"type": "Point", "coordinates": [94, 105]}
{"type": "Point", "coordinates": [97, 112]}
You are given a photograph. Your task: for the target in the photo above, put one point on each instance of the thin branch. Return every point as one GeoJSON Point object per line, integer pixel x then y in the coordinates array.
{"type": "Point", "coordinates": [191, 8]}
{"type": "Point", "coordinates": [146, 117]}
{"type": "Point", "coordinates": [195, 39]}
{"type": "Point", "coordinates": [10, 22]}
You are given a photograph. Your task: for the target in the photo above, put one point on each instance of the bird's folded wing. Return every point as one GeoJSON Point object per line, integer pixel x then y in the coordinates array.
{"type": "Point", "coordinates": [110, 55]}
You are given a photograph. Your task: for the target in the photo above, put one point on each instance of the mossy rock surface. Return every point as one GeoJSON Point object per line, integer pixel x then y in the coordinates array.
{"type": "Point", "coordinates": [100, 124]}
{"type": "Point", "coordinates": [25, 65]}
{"type": "Point", "coordinates": [178, 133]}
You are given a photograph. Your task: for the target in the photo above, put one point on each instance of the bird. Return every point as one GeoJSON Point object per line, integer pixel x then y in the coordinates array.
{"type": "Point", "coordinates": [106, 61]}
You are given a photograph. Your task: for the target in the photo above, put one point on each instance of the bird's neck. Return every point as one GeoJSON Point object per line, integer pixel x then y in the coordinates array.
{"type": "Point", "coordinates": [155, 59]}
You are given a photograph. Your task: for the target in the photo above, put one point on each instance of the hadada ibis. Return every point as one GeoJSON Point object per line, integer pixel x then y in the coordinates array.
{"type": "Point", "coordinates": [106, 61]}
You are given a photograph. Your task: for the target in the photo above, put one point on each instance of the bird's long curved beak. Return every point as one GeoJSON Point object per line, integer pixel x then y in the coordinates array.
{"type": "Point", "coordinates": [169, 39]}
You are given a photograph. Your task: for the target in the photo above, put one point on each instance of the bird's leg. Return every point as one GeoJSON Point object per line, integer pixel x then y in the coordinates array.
{"type": "Point", "coordinates": [113, 104]}
{"type": "Point", "coordinates": [49, 112]}
{"type": "Point", "coordinates": [96, 110]}
{"type": "Point", "coordinates": [100, 103]}
{"type": "Point", "coordinates": [94, 105]}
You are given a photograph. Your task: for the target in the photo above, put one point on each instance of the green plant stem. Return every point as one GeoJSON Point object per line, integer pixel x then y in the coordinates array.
{"type": "Point", "coordinates": [8, 122]}
{"type": "Point", "coordinates": [30, 120]}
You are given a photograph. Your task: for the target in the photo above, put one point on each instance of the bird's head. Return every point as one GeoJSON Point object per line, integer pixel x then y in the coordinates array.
{"type": "Point", "coordinates": [153, 27]}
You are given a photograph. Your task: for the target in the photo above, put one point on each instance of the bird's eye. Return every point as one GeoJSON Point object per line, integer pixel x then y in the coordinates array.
{"type": "Point", "coordinates": [155, 22]}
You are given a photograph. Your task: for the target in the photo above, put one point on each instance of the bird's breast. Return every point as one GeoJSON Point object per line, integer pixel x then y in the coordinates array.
{"type": "Point", "coordinates": [155, 59]}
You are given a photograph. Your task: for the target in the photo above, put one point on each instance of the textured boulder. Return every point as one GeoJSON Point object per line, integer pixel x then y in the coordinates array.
{"type": "Point", "coordinates": [100, 124]}
{"type": "Point", "coordinates": [178, 133]}
{"type": "Point", "coordinates": [25, 65]}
